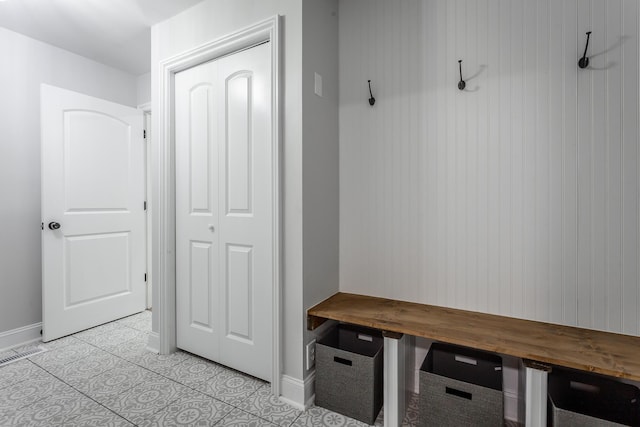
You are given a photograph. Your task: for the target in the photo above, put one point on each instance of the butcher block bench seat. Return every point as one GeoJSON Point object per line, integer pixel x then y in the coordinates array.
{"type": "Point", "coordinates": [605, 353]}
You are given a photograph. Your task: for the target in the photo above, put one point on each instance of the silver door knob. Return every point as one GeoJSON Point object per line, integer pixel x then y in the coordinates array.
{"type": "Point", "coordinates": [54, 226]}
{"type": "Point", "coordinates": [211, 228]}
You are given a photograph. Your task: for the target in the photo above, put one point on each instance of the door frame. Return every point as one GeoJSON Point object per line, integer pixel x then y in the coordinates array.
{"type": "Point", "coordinates": [146, 109]}
{"type": "Point", "coordinates": [164, 207]}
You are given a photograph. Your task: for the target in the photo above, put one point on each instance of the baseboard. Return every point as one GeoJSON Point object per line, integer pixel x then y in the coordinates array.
{"type": "Point", "coordinates": [310, 389]}
{"type": "Point", "coordinates": [20, 336]}
{"type": "Point", "coordinates": [297, 393]}
{"type": "Point", "coordinates": [153, 343]}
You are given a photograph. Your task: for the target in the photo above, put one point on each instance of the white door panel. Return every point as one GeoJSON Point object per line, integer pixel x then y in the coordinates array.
{"type": "Point", "coordinates": [196, 212]}
{"type": "Point", "coordinates": [246, 227]}
{"type": "Point", "coordinates": [224, 219]}
{"type": "Point", "coordinates": [93, 186]}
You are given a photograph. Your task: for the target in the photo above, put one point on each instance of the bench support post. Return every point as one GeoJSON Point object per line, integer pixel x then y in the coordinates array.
{"type": "Point", "coordinates": [396, 351]}
{"type": "Point", "coordinates": [536, 375]}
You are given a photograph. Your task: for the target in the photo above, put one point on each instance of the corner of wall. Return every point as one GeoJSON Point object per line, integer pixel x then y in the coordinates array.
{"type": "Point", "coordinates": [298, 393]}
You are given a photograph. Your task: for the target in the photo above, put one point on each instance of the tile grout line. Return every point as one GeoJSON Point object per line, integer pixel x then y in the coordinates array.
{"type": "Point", "coordinates": [80, 391]}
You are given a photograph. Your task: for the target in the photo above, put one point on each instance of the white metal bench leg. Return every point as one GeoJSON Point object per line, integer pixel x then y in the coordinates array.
{"type": "Point", "coordinates": [536, 375]}
{"type": "Point", "coordinates": [395, 356]}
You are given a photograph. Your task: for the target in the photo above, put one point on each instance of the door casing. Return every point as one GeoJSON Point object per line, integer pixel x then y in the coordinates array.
{"type": "Point", "coordinates": [164, 206]}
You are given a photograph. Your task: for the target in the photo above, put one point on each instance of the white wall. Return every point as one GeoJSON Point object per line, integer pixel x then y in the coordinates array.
{"type": "Point", "coordinates": [143, 89]}
{"type": "Point", "coordinates": [519, 196]}
{"type": "Point", "coordinates": [26, 64]}
{"type": "Point", "coordinates": [320, 154]}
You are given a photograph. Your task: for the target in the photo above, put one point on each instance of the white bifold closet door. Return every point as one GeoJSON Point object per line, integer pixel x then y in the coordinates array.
{"type": "Point", "coordinates": [224, 211]}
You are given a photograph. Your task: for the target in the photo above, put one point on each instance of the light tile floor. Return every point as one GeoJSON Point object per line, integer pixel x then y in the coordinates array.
{"type": "Point", "coordinates": [105, 377]}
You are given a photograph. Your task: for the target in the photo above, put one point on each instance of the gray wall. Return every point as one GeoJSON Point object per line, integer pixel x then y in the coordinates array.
{"type": "Point", "coordinates": [26, 64]}
{"type": "Point", "coordinates": [320, 171]}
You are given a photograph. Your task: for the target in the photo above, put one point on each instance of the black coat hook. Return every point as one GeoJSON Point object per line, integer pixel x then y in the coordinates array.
{"type": "Point", "coordinates": [584, 61]}
{"type": "Point", "coordinates": [372, 100]}
{"type": "Point", "coordinates": [461, 84]}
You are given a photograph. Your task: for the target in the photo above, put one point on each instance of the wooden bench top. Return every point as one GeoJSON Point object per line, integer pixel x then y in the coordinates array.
{"type": "Point", "coordinates": [606, 353]}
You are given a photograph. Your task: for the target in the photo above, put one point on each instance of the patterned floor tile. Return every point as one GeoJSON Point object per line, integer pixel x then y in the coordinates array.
{"type": "Point", "coordinates": [78, 372]}
{"type": "Point", "coordinates": [113, 338]}
{"type": "Point", "coordinates": [51, 411]}
{"type": "Point", "coordinates": [63, 355]}
{"type": "Point", "coordinates": [229, 386]}
{"type": "Point", "coordinates": [99, 330]}
{"type": "Point", "coordinates": [191, 371]}
{"type": "Point", "coordinates": [136, 352]}
{"type": "Point", "coordinates": [146, 398]}
{"type": "Point", "coordinates": [265, 405]}
{"type": "Point", "coordinates": [30, 391]}
{"type": "Point", "coordinates": [114, 382]}
{"type": "Point", "coordinates": [19, 371]}
{"type": "Point", "coordinates": [29, 417]}
{"type": "Point", "coordinates": [316, 417]}
{"type": "Point", "coordinates": [157, 362]}
{"type": "Point", "coordinates": [132, 351]}
{"type": "Point", "coordinates": [140, 321]}
{"type": "Point", "coordinates": [240, 418]}
{"type": "Point", "coordinates": [61, 342]}
{"type": "Point", "coordinates": [8, 415]}
{"type": "Point", "coordinates": [194, 410]}
{"type": "Point", "coordinates": [91, 414]}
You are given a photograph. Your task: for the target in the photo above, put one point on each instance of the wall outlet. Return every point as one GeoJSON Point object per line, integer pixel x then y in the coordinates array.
{"type": "Point", "coordinates": [311, 354]}
{"type": "Point", "coordinates": [317, 84]}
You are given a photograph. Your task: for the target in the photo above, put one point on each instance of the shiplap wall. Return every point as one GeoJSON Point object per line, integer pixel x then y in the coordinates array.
{"type": "Point", "coordinates": [518, 196]}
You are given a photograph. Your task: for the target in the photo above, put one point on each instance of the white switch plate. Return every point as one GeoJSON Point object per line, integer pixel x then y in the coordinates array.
{"type": "Point", "coordinates": [311, 354]}
{"type": "Point", "coordinates": [318, 84]}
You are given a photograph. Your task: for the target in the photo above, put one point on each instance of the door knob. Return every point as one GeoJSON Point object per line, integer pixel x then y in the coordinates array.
{"type": "Point", "coordinates": [211, 228]}
{"type": "Point", "coordinates": [54, 226]}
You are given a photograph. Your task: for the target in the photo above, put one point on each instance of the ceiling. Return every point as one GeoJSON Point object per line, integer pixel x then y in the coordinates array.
{"type": "Point", "coordinates": [114, 32]}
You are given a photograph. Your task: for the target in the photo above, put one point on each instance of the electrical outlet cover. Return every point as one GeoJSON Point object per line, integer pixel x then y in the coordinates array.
{"type": "Point", "coordinates": [311, 354]}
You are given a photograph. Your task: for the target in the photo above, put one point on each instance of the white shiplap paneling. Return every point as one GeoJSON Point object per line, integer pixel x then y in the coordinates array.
{"type": "Point", "coordinates": [517, 196]}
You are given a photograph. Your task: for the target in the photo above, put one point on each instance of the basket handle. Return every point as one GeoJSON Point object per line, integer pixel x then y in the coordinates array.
{"type": "Point", "coordinates": [342, 361]}
{"type": "Point", "coordinates": [459, 393]}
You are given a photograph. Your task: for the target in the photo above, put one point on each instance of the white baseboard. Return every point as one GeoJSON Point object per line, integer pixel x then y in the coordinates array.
{"type": "Point", "coordinates": [20, 336]}
{"type": "Point", "coordinates": [297, 393]}
{"type": "Point", "coordinates": [153, 344]}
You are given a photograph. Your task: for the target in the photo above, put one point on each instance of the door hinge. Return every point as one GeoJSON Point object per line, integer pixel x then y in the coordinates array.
{"type": "Point", "coordinates": [145, 205]}
{"type": "Point", "coordinates": [145, 277]}
{"type": "Point", "coordinates": [42, 226]}
{"type": "Point", "coordinates": [144, 134]}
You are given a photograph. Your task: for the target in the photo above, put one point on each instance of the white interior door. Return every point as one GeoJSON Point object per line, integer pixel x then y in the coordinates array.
{"type": "Point", "coordinates": [224, 211]}
{"type": "Point", "coordinates": [93, 194]}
